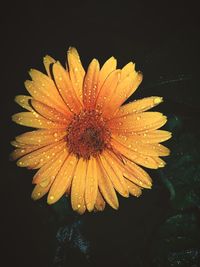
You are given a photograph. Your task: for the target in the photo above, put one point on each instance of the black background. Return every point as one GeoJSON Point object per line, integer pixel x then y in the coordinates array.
{"type": "Point", "coordinates": [162, 38]}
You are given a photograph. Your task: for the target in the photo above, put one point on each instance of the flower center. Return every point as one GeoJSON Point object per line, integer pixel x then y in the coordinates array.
{"type": "Point", "coordinates": [87, 134]}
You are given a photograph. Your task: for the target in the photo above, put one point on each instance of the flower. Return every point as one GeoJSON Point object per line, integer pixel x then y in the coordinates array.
{"type": "Point", "coordinates": [87, 144]}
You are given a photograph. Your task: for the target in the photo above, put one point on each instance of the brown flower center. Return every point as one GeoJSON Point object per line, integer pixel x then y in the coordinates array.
{"type": "Point", "coordinates": [87, 134]}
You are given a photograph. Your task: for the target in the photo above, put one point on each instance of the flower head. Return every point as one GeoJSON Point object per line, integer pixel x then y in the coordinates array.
{"type": "Point", "coordinates": [87, 144]}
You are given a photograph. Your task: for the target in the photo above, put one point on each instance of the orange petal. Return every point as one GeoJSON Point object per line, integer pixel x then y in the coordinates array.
{"type": "Point", "coordinates": [76, 71]}
{"type": "Point", "coordinates": [20, 152]}
{"type": "Point", "coordinates": [138, 172]}
{"type": "Point", "coordinates": [78, 187]}
{"type": "Point", "coordinates": [49, 170]}
{"type": "Point", "coordinates": [47, 60]}
{"type": "Point", "coordinates": [132, 172]}
{"type": "Point", "coordinates": [17, 144]}
{"type": "Point", "coordinates": [160, 162]}
{"type": "Point", "coordinates": [42, 155]}
{"type": "Point", "coordinates": [63, 180]}
{"type": "Point", "coordinates": [106, 187]}
{"type": "Point", "coordinates": [114, 173]}
{"type": "Point", "coordinates": [108, 67]}
{"type": "Point", "coordinates": [100, 203]}
{"type": "Point", "coordinates": [125, 88]}
{"type": "Point", "coordinates": [32, 119]}
{"type": "Point", "coordinates": [50, 113]}
{"type": "Point", "coordinates": [90, 85]}
{"type": "Point", "coordinates": [156, 136]}
{"type": "Point", "coordinates": [43, 89]}
{"type": "Point", "coordinates": [137, 122]}
{"type": "Point", "coordinates": [142, 148]}
{"type": "Point", "coordinates": [23, 101]}
{"type": "Point", "coordinates": [127, 70]}
{"type": "Point", "coordinates": [144, 160]}
{"type": "Point", "coordinates": [65, 87]}
{"type": "Point", "coordinates": [139, 106]}
{"type": "Point", "coordinates": [107, 90]}
{"type": "Point", "coordinates": [39, 191]}
{"type": "Point", "coordinates": [148, 137]}
{"type": "Point", "coordinates": [91, 186]}
{"type": "Point", "coordinates": [41, 137]}
{"type": "Point", "coordinates": [133, 189]}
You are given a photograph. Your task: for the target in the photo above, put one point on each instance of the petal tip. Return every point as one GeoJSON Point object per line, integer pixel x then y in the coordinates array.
{"type": "Point", "coordinates": [158, 100]}
{"type": "Point", "coordinates": [51, 199]}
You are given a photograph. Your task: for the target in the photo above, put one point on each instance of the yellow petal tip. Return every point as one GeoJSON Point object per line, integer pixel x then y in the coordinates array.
{"type": "Point", "coordinates": [158, 100]}
{"type": "Point", "coordinates": [51, 199]}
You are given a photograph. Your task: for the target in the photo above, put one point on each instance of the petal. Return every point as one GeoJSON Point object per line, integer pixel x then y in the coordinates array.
{"type": "Point", "coordinates": [106, 187]}
{"type": "Point", "coordinates": [65, 87]}
{"type": "Point", "coordinates": [133, 189]}
{"type": "Point", "coordinates": [20, 152]}
{"type": "Point", "coordinates": [76, 71]}
{"type": "Point", "coordinates": [149, 137]}
{"type": "Point", "coordinates": [47, 60]}
{"type": "Point", "coordinates": [41, 137]}
{"type": "Point", "coordinates": [90, 85]}
{"type": "Point", "coordinates": [144, 160]}
{"type": "Point", "coordinates": [142, 148]}
{"type": "Point", "coordinates": [139, 106]}
{"type": "Point", "coordinates": [108, 67]}
{"type": "Point", "coordinates": [132, 171]}
{"type": "Point", "coordinates": [156, 136]}
{"type": "Point", "coordinates": [138, 172]}
{"type": "Point", "coordinates": [32, 119]}
{"type": "Point", "coordinates": [78, 187]}
{"type": "Point", "coordinates": [24, 101]}
{"type": "Point", "coordinates": [127, 70]}
{"type": "Point", "coordinates": [43, 89]}
{"type": "Point", "coordinates": [114, 173]}
{"type": "Point", "coordinates": [39, 191]}
{"type": "Point", "coordinates": [40, 156]}
{"type": "Point", "coordinates": [125, 88]}
{"type": "Point", "coordinates": [63, 180]}
{"type": "Point", "coordinates": [18, 145]}
{"type": "Point", "coordinates": [50, 113]}
{"type": "Point", "coordinates": [137, 122]}
{"type": "Point", "coordinates": [100, 203]}
{"type": "Point", "coordinates": [91, 186]}
{"type": "Point", "coordinates": [160, 162]}
{"type": "Point", "coordinates": [107, 90]}
{"type": "Point", "coordinates": [49, 170]}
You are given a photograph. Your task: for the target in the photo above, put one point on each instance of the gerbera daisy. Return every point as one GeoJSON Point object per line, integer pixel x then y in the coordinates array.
{"type": "Point", "coordinates": [87, 144]}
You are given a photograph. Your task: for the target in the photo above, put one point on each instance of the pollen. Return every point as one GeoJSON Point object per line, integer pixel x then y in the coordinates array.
{"type": "Point", "coordinates": [87, 134]}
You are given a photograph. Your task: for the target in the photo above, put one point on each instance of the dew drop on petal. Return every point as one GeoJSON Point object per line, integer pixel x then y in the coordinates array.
{"type": "Point", "coordinates": [51, 197]}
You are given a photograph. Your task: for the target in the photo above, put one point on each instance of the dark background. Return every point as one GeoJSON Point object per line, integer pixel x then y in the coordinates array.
{"type": "Point", "coordinates": [162, 38]}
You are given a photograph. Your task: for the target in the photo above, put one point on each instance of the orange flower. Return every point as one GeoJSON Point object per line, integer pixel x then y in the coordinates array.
{"type": "Point", "coordinates": [87, 144]}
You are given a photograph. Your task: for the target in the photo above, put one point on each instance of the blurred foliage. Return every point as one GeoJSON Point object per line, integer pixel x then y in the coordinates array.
{"type": "Point", "coordinates": [177, 239]}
